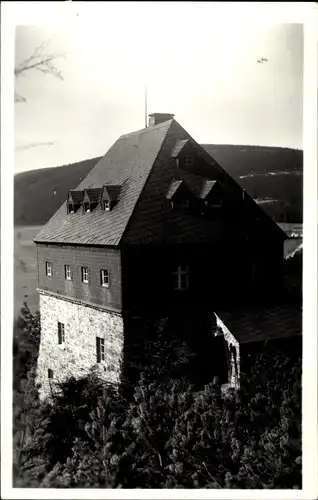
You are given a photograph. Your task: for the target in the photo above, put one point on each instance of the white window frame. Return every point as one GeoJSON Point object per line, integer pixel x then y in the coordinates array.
{"type": "Point", "coordinates": [104, 278]}
{"type": "Point", "coordinates": [181, 273]}
{"type": "Point", "coordinates": [48, 269]}
{"type": "Point", "coordinates": [85, 275]}
{"type": "Point", "coordinates": [106, 205]}
{"type": "Point", "coordinates": [68, 272]}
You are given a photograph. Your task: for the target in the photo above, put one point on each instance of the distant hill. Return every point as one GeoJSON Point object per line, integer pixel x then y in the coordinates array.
{"type": "Point", "coordinates": [39, 193]}
{"type": "Point", "coordinates": [271, 175]}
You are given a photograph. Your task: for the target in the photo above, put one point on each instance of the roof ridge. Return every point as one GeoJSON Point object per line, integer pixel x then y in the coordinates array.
{"type": "Point", "coordinates": [145, 130]}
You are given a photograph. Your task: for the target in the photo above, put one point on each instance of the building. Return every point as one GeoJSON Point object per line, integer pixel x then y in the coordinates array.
{"type": "Point", "coordinates": [156, 229]}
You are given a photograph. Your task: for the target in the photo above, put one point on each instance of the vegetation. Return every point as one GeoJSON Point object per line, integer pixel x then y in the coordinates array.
{"type": "Point", "coordinates": [167, 435]}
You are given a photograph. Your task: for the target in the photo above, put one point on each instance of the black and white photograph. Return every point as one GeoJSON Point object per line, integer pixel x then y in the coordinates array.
{"type": "Point", "coordinates": [158, 210]}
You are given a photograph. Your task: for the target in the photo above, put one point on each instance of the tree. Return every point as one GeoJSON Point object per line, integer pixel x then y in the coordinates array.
{"type": "Point", "coordinates": [41, 60]}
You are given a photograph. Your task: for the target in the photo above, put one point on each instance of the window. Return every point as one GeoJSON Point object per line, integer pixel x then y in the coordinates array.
{"type": "Point", "coordinates": [87, 207]}
{"type": "Point", "coordinates": [188, 161]}
{"type": "Point", "coordinates": [100, 349]}
{"type": "Point", "coordinates": [48, 266]}
{"type": "Point", "coordinates": [104, 277]}
{"type": "Point", "coordinates": [182, 203]}
{"type": "Point", "coordinates": [70, 208]}
{"type": "Point", "coordinates": [68, 274]}
{"type": "Point", "coordinates": [181, 278]}
{"type": "Point", "coordinates": [106, 205]}
{"type": "Point", "coordinates": [85, 274]}
{"type": "Point", "coordinates": [61, 332]}
{"type": "Point", "coordinates": [50, 374]}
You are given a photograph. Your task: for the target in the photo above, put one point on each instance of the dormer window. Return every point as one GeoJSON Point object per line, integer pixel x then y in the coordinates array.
{"type": "Point", "coordinates": [188, 161]}
{"type": "Point", "coordinates": [71, 208]}
{"type": "Point", "coordinates": [182, 203]}
{"type": "Point", "coordinates": [106, 205]}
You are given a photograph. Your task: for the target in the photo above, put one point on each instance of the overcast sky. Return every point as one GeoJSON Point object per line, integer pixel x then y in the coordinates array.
{"type": "Point", "coordinates": [205, 72]}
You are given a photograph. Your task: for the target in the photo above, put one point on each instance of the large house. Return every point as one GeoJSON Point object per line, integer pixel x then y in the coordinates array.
{"type": "Point", "coordinates": [157, 228]}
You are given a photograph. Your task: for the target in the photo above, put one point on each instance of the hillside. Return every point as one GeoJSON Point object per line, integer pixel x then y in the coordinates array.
{"type": "Point", "coordinates": [39, 193]}
{"type": "Point", "coordinates": [271, 175]}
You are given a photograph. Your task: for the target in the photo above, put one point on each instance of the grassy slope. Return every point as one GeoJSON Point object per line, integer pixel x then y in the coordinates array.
{"type": "Point", "coordinates": [35, 201]}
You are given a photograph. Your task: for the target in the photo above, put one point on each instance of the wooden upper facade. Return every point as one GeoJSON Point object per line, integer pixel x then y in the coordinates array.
{"type": "Point", "coordinates": [158, 222]}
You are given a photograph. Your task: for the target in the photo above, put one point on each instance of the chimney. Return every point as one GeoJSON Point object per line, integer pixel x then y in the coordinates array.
{"type": "Point", "coordinates": [156, 118]}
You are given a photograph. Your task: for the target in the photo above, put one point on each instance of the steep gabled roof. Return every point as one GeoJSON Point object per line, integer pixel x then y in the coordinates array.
{"type": "Point", "coordinates": [141, 164]}
{"type": "Point", "coordinates": [128, 164]}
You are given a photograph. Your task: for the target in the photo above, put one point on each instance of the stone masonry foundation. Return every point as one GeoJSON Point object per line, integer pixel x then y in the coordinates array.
{"type": "Point", "coordinates": [77, 355]}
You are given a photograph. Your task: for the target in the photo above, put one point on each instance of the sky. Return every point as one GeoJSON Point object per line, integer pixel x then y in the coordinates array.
{"type": "Point", "coordinates": [203, 71]}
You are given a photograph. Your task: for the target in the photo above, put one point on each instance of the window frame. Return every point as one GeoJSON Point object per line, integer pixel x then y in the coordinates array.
{"type": "Point", "coordinates": [49, 269]}
{"type": "Point", "coordinates": [85, 271]}
{"type": "Point", "coordinates": [182, 204]}
{"type": "Point", "coordinates": [68, 272]}
{"type": "Point", "coordinates": [104, 283]}
{"type": "Point", "coordinates": [181, 273]}
{"type": "Point", "coordinates": [186, 161]}
{"type": "Point", "coordinates": [100, 349]}
{"type": "Point", "coordinates": [61, 332]}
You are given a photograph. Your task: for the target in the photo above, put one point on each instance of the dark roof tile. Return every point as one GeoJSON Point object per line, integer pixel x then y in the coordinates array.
{"type": "Point", "coordinates": [261, 324]}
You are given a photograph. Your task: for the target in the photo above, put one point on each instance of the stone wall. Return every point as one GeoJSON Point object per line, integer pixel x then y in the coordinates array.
{"type": "Point", "coordinates": [78, 354]}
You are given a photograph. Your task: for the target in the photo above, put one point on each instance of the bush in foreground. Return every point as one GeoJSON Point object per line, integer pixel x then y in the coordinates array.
{"type": "Point", "coordinates": [169, 434]}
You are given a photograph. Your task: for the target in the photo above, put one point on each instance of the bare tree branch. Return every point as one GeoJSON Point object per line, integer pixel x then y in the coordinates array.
{"type": "Point", "coordinates": [40, 60]}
